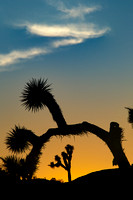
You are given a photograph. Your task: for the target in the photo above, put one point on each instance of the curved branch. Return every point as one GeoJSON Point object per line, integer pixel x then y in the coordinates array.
{"type": "Point", "coordinates": [112, 138]}
{"type": "Point", "coordinates": [75, 129]}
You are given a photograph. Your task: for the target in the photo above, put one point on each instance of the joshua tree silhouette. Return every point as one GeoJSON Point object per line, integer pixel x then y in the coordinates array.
{"type": "Point", "coordinates": [67, 157]}
{"type": "Point", "coordinates": [36, 95]}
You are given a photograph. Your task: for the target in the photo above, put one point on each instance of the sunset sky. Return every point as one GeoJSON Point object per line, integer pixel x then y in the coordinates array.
{"type": "Point", "coordinates": [84, 48]}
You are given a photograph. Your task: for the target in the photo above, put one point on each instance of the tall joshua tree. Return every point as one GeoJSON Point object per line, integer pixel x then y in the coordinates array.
{"type": "Point", "coordinates": [36, 95]}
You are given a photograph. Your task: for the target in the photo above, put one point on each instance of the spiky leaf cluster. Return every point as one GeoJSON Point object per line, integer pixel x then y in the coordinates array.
{"type": "Point", "coordinates": [18, 139]}
{"type": "Point", "coordinates": [19, 167]}
{"type": "Point", "coordinates": [35, 94]}
{"type": "Point", "coordinates": [12, 164]}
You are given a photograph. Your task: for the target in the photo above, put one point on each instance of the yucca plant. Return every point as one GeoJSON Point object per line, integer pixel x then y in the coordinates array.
{"type": "Point", "coordinates": [37, 94]}
{"type": "Point", "coordinates": [18, 141]}
{"type": "Point", "coordinates": [13, 166]}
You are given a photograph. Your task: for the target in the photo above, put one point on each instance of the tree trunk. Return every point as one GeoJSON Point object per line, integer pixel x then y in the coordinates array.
{"type": "Point", "coordinates": [32, 159]}
{"type": "Point", "coordinates": [119, 155]}
{"type": "Point", "coordinates": [69, 175]}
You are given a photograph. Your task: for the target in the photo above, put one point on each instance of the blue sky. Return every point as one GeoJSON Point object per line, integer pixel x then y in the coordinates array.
{"type": "Point", "coordinates": [33, 30]}
{"type": "Point", "coordinates": [83, 47]}
{"type": "Point", "coordinates": [70, 39]}
{"type": "Point", "coordinates": [40, 27]}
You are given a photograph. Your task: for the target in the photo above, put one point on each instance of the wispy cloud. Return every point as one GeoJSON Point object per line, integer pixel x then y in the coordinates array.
{"type": "Point", "coordinates": [15, 56]}
{"type": "Point", "coordinates": [77, 12]}
{"type": "Point", "coordinates": [65, 42]}
{"type": "Point", "coordinates": [68, 30]}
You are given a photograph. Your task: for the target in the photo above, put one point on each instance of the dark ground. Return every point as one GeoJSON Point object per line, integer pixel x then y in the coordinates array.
{"type": "Point", "coordinates": [116, 177]}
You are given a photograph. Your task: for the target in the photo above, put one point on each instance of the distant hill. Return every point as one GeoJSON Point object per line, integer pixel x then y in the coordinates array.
{"type": "Point", "coordinates": [107, 177]}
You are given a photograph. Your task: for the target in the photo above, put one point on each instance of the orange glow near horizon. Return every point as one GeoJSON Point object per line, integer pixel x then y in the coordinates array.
{"type": "Point", "coordinates": [85, 159]}
{"type": "Point", "coordinates": [90, 153]}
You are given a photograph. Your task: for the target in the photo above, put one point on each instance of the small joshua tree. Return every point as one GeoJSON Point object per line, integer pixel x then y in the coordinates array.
{"type": "Point", "coordinates": [67, 157]}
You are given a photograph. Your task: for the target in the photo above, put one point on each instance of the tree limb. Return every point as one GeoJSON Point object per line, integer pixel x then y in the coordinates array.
{"type": "Point", "coordinates": [75, 129]}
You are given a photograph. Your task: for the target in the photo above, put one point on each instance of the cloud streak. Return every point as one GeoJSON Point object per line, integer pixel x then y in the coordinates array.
{"type": "Point", "coordinates": [77, 12]}
{"type": "Point", "coordinates": [68, 30]}
{"type": "Point", "coordinates": [66, 42]}
{"type": "Point", "coordinates": [15, 56]}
